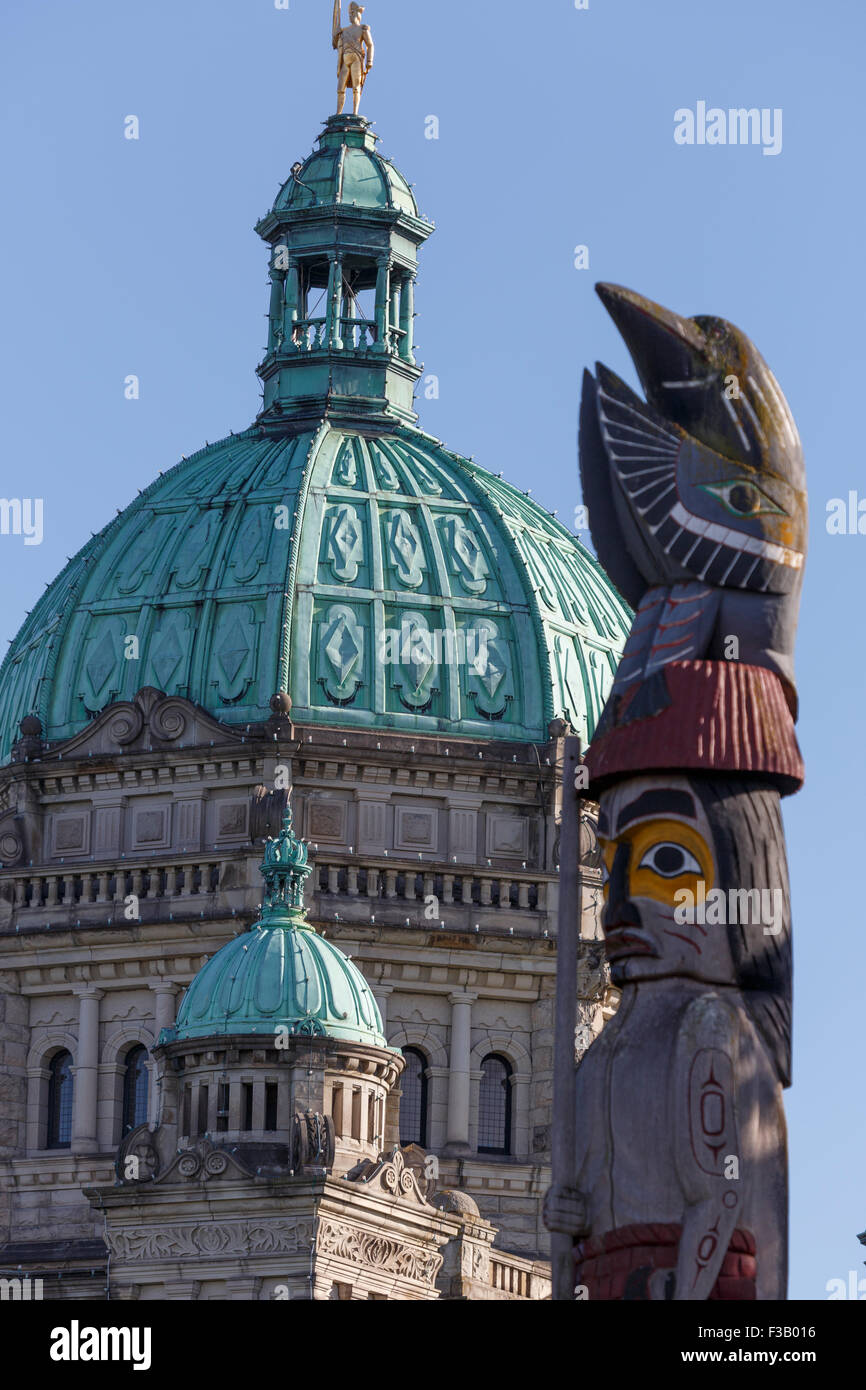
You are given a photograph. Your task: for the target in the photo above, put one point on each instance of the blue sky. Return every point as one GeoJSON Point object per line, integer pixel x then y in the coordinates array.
{"type": "Point", "coordinates": [555, 129]}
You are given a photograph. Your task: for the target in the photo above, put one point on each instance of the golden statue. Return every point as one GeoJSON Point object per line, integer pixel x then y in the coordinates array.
{"type": "Point", "coordinates": [355, 47]}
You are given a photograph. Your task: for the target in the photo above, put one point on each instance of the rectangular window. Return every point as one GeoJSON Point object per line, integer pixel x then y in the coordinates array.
{"type": "Point", "coordinates": [337, 1110]}
{"type": "Point", "coordinates": [270, 1105]}
{"type": "Point", "coordinates": [356, 1114]}
{"type": "Point", "coordinates": [202, 1110]}
{"type": "Point", "coordinates": [184, 1124]}
{"type": "Point", "coordinates": [248, 1105]}
{"type": "Point", "coordinates": [223, 1107]}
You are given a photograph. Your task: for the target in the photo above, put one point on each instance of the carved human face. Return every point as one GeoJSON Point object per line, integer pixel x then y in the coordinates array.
{"type": "Point", "coordinates": [656, 842]}
{"type": "Point", "coordinates": [356, 13]}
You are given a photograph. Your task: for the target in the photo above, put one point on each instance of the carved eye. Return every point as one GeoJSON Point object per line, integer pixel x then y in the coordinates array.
{"type": "Point", "coordinates": [669, 860]}
{"type": "Point", "coordinates": [743, 498]}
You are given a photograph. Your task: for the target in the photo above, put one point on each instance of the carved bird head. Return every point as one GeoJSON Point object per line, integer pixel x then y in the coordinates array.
{"type": "Point", "coordinates": [711, 380]}
{"type": "Point", "coordinates": [711, 464]}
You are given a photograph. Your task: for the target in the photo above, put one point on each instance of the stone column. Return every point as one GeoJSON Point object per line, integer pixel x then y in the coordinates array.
{"type": "Point", "coordinates": [165, 1010]}
{"type": "Point", "coordinates": [85, 1073]}
{"type": "Point", "coordinates": [380, 994]}
{"type": "Point", "coordinates": [458, 1074]}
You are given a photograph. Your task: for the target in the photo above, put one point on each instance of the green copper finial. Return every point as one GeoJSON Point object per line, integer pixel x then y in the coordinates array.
{"type": "Point", "coordinates": [285, 870]}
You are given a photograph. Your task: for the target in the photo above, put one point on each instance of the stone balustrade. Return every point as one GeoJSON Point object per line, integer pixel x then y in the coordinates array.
{"type": "Point", "coordinates": [341, 885]}
{"type": "Point", "coordinates": [452, 886]}
{"type": "Point", "coordinates": [57, 887]}
{"type": "Point", "coordinates": [516, 1278]}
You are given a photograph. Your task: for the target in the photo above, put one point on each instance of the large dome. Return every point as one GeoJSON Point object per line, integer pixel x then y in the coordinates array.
{"type": "Point", "coordinates": [333, 551]}
{"type": "Point", "coordinates": [384, 581]}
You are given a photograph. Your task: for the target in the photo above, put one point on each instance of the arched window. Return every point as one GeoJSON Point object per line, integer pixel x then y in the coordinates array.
{"type": "Point", "coordinates": [494, 1106]}
{"type": "Point", "coordinates": [60, 1101]}
{"type": "Point", "coordinates": [135, 1080]}
{"type": "Point", "coordinates": [413, 1098]}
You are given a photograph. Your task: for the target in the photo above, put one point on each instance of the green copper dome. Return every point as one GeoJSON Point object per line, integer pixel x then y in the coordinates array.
{"type": "Point", "coordinates": [383, 582]}
{"type": "Point", "coordinates": [280, 974]}
{"type": "Point", "coordinates": [333, 551]}
{"type": "Point", "coordinates": [346, 169]}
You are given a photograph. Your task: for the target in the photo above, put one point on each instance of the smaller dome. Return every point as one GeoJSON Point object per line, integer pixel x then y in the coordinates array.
{"type": "Point", "coordinates": [346, 170]}
{"type": "Point", "coordinates": [280, 976]}
{"type": "Point", "coordinates": [281, 973]}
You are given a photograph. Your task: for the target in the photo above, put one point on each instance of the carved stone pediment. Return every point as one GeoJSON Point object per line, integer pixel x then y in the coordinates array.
{"type": "Point", "coordinates": [204, 1162]}
{"type": "Point", "coordinates": [150, 720]}
{"type": "Point", "coordinates": [390, 1176]}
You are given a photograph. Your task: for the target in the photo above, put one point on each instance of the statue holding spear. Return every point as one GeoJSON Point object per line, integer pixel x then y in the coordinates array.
{"type": "Point", "coordinates": [355, 47]}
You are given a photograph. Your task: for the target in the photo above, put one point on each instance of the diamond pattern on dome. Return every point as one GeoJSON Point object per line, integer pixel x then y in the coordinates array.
{"type": "Point", "coordinates": [490, 664]}
{"type": "Point", "coordinates": [101, 662]}
{"type": "Point", "coordinates": [346, 468]}
{"type": "Point", "coordinates": [466, 555]}
{"type": "Point", "coordinates": [417, 651]}
{"type": "Point", "coordinates": [248, 553]}
{"type": "Point", "coordinates": [342, 651]}
{"type": "Point", "coordinates": [386, 476]}
{"type": "Point", "coordinates": [346, 544]}
{"type": "Point", "coordinates": [166, 655]}
{"type": "Point", "coordinates": [405, 549]}
{"type": "Point", "coordinates": [233, 651]}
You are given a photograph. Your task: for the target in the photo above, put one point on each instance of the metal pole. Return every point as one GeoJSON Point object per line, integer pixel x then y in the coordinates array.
{"type": "Point", "coordinates": [568, 934]}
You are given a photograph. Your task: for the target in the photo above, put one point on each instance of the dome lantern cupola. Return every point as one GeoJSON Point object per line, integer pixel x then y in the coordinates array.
{"type": "Point", "coordinates": [285, 870]}
{"type": "Point", "coordinates": [344, 234]}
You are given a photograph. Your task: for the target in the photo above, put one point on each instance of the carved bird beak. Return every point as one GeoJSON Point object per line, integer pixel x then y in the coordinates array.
{"type": "Point", "coordinates": [667, 350]}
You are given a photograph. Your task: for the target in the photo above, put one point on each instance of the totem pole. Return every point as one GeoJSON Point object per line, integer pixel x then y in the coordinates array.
{"type": "Point", "coordinates": [697, 506]}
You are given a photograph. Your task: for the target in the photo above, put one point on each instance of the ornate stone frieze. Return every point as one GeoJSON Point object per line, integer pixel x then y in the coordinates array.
{"type": "Point", "coordinates": [192, 1240]}
{"type": "Point", "coordinates": [377, 1252]}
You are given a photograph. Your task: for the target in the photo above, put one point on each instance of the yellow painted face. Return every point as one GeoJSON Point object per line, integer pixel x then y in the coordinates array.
{"type": "Point", "coordinates": [659, 858]}
{"type": "Point", "coordinates": [665, 856]}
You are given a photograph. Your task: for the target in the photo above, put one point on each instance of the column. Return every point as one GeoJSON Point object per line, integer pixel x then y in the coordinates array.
{"type": "Point", "coordinates": [335, 302]}
{"type": "Point", "coordinates": [407, 319]}
{"type": "Point", "coordinates": [292, 303]}
{"type": "Point", "coordinates": [458, 1074]}
{"type": "Point", "coordinates": [380, 994]}
{"type": "Point", "coordinates": [394, 308]}
{"type": "Point", "coordinates": [382, 304]}
{"type": "Point", "coordinates": [85, 1073]}
{"type": "Point", "coordinates": [275, 316]}
{"type": "Point", "coordinates": [165, 1008]}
